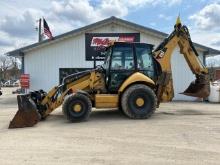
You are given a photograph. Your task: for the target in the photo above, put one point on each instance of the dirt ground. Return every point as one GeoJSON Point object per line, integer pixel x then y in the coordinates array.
{"type": "Point", "coordinates": [178, 133]}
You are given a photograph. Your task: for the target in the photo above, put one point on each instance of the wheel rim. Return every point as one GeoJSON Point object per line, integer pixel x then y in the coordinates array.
{"type": "Point", "coordinates": [139, 102]}
{"type": "Point", "coordinates": [77, 108]}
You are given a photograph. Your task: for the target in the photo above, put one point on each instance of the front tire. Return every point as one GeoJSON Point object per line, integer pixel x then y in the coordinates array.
{"type": "Point", "coordinates": [139, 102]}
{"type": "Point", "coordinates": [77, 107]}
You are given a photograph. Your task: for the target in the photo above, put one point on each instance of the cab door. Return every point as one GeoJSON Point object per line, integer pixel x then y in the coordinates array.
{"type": "Point", "coordinates": [122, 65]}
{"type": "Point", "coordinates": [145, 61]}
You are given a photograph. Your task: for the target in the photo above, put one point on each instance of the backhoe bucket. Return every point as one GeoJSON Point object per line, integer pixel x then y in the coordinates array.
{"type": "Point", "coordinates": [27, 114]}
{"type": "Point", "coordinates": [199, 88]}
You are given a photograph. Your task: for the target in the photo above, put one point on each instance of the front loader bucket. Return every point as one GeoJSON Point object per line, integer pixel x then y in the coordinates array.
{"type": "Point", "coordinates": [199, 88]}
{"type": "Point", "coordinates": [27, 114]}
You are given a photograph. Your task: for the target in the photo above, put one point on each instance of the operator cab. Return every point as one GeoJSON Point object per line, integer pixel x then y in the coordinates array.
{"type": "Point", "coordinates": [123, 59]}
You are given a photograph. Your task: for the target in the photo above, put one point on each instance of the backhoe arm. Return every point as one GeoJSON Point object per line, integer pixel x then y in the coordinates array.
{"type": "Point", "coordinates": [180, 37]}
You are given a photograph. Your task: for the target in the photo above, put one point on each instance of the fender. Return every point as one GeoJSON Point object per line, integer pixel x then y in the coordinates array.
{"type": "Point", "coordinates": [136, 77]}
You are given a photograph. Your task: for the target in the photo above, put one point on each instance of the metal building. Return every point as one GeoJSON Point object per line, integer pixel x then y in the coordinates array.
{"type": "Point", "coordinates": [49, 60]}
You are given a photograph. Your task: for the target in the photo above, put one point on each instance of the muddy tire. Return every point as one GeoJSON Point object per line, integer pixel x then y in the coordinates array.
{"type": "Point", "coordinates": [77, 107]}
{"type": "Point", "coordinates": [139, 102]}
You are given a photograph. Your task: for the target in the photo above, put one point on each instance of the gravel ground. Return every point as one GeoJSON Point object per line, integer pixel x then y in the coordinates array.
{"type": "Point", "coordinates": [178, 133]}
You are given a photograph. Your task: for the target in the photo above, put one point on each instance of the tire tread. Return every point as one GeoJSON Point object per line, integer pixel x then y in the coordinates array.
{"type": "Point", "coordinates": [126, 95]}
{"type": "Point", "coordinates": [66, 102]}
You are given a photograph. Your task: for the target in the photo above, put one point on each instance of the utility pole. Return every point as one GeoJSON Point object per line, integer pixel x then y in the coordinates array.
{"type": "Point", "coordinates": [39, 31]}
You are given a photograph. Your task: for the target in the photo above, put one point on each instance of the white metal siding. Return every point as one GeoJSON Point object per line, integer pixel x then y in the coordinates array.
{"type": "Point", "coordinates": [43, 64]}
{"type": "Point", "coordinates": [182, 75]}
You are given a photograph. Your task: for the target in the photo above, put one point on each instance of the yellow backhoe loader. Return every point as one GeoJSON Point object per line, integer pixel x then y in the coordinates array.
{"type": "Point", "coordinates": [134, 79]}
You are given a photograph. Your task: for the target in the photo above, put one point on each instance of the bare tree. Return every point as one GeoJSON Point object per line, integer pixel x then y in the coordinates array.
{"type": "Point", "coordinates": [14, 71]}
{"type": "Point", "coordinates": [5, 63]}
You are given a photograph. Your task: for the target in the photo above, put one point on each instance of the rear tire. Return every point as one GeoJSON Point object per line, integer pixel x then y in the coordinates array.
{"type": "Point", "coordinates": [139, 102]}
{"type": "Point", "coordinates": [77, 107]}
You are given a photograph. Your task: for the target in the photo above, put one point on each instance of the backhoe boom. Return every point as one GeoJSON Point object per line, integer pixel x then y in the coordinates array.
{"type": "Point", "coordinates": [180, 37]}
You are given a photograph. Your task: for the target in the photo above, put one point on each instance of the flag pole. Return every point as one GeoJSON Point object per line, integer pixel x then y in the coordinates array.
{"type": "Point", "coordinates": [39, 31]}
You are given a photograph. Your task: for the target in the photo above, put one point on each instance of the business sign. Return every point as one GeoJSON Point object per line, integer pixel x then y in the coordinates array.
{"type": "Point", "coordinates": [25, 81]}
{"type": "Point", "coordinates": [97, 42]}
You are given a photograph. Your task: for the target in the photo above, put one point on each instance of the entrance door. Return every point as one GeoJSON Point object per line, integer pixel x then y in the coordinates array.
{"type": "Point", "coordinates": [122, 65]}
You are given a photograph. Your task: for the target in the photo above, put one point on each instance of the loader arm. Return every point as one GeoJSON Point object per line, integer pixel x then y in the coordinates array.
{"type": "Point", "coordinates": [163, 53]}
{"type": "Point", "coordinates": [39, 104]}
{"type": "Point", "coordinates": [88, 82]}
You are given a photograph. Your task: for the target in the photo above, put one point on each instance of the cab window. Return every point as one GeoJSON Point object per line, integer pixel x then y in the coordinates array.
{"type": "Point", "coordinates": [122, 58]}
{"type": "Point", "coordinates": [107, 58]}
{"type": "Point", "coordinates": [145, 60]}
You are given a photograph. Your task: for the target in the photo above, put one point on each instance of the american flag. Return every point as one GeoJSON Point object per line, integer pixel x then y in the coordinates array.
{"type": "Point", "coordinates": [47, 31]}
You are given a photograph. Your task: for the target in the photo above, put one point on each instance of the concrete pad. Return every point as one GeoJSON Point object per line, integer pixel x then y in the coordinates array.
{"type": "Point", "coordinates": [178, 133]}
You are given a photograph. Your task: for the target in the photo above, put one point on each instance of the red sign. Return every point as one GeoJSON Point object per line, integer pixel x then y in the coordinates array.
{"type": "Point", "coordinates": [104, 41]}
{"type": "Point", "coordinates": [126, 39]}
{"type": "Point", "coordinates": [25, 81]}
{"type": "Point", "coordinates": [96, 43]}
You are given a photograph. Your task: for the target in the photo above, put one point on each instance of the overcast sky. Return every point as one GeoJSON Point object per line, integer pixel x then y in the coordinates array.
{"type": "Point", "coordinates": [18, 17]}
